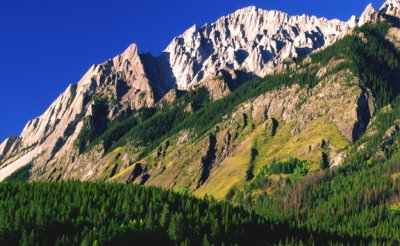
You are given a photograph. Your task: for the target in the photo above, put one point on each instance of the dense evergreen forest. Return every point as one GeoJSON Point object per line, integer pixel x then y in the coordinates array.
{"type": "Point", "coordinates": [98, 213]}
{"type": "Point", "coordinates": [358, 202]}
{"type": "Point", "coordinates": [74, 213]}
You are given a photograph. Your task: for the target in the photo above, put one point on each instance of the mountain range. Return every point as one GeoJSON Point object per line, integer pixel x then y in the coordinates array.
{"type": "Point", "coordinates": [88, 132]}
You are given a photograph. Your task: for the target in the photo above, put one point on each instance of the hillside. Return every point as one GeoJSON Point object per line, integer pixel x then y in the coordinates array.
{"type": "Point", "coordinates": [220, 56]}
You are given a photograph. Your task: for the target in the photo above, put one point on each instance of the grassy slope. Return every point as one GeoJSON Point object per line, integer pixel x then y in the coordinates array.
{"type": "Point", "coordinates": [232, 170]}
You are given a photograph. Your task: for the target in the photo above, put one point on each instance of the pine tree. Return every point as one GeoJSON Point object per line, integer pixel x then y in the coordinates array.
{"type": "Point", "coordinates": [205, 240]}
{"type": "Point", "coordinates": [176, 228]}
{"type": "Point", "coordinates": [164, 219]}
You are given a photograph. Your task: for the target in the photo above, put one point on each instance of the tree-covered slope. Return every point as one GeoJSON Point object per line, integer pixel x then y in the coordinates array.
{"type": "Point", "coordinates": [75, 213]}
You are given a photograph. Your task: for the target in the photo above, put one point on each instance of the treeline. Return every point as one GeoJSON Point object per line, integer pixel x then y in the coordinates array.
{"type": "Point", "coordinates": [21, 174]}
{"type": "Point", "coordinates": [291, 165]}
{"type": "Point", "coordinates": [142, 127]}
{"type": "Point", "coordinates": [95, 124]}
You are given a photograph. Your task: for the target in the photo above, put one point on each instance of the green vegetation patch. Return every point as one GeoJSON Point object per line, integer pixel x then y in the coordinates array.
{"type": "Point", "coordinates": [288, 166]}
{"type": "Point", "coordinates": [22, 174]}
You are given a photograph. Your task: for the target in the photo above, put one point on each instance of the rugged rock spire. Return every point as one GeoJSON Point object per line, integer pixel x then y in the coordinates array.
{"type": "Point", "coordinates": [369, 15]}
{"type": "Point", "coordinates": [391, 7]}
{"type": "Point", "coordinates": [251, 39]}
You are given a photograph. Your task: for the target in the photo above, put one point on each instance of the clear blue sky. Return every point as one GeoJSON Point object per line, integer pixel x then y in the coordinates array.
{"type": "Point", "coordinates": [46, 45]}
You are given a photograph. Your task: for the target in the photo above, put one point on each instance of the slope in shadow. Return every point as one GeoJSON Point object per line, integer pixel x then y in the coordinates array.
{"type": "Point", "coordinates": [208, 160]}
{"type": "Point", "coordinates": [159, 72]}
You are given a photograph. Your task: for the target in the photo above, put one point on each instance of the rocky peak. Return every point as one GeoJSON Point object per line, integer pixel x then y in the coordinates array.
{"type": "Point", "coordinates": [5, 146]}
{"type": "Point", "coordinates": [129, 54]}
{"type": "Point", "coordinates": [391, 7]}
{"type": "Point", "coordinates": [122, 80]}
{"type": "Point", "coordinates": [251, 39]}
{"type": "Point", "coordinates": [370, 14]}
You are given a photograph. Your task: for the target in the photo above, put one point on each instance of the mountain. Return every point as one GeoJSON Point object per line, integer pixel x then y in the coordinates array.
{"type": "Point", "coordinates": [219, 56]}
{"type": "Point", "coordinates": [250, 42]}
{"type": "Point", "coordinates": [294, 119]}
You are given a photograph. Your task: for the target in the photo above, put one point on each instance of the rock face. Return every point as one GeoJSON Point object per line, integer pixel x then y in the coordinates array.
{"type": "Point", "coordinates": [5, 146]}
{"type": "Point", "coordinates": [122, 80]}
{"type": "Point", "coordinates": [391, 7]}
{"type": "Point", "coordinates": [370, 14]}
{"type": "Point", "coordinates": [249, 42]}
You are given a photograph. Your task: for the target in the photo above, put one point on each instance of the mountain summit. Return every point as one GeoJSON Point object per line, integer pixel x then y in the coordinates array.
{"type": "Point", "coordinates": [252, 40]}
{"type": "Point", "coordinates": [391, 7]}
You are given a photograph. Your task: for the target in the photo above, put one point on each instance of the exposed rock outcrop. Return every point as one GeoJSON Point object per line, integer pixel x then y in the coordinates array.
{"type": "Point", "coordinates": [391, 7]}
{"type": "Point", "coordinates": [369, 15]}
{"type": "Point", "coordinates": [5, 146]}
{"type": "Point", "coordinates": [170, 97]}
{"type": "Point", "coordinates": [251, 39]}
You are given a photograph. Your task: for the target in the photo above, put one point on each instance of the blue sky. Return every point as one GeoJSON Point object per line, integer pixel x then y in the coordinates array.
{"type": "Point", "coordinates": [46, 45]}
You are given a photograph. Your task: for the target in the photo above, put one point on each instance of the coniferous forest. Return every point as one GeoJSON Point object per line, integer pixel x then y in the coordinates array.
{"type": "Point", "coordinates": [75, 213]}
